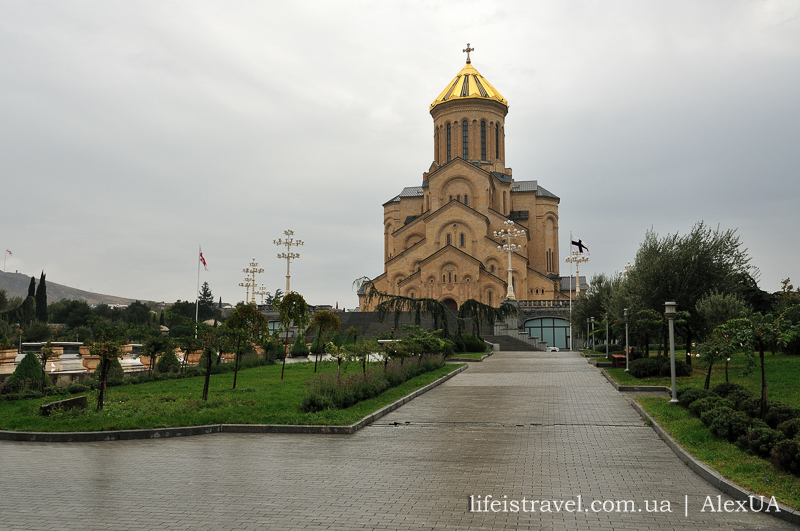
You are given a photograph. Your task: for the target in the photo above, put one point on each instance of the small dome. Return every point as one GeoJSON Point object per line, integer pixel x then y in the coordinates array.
{"type": "Point", "coordinates": [469, 83]}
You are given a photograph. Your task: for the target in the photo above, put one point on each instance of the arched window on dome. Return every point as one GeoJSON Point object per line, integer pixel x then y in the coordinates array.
{"type": "Point", "coordinates": [483, 140]}
{"type": "Point", "coordinates": [458, 198]}
{"type": "Point", "coordinates": [466, 201]}
{"type": "Point", "coordinates": [447, 239]}
{"type": "Point", "coordinates": [465, 140]}
{"type": "Point", "coordinates": [463, 240]}
{"type": "Point", "coordinates": [449, 138]}
{"type": "Point", "coordinates": [490, 297]}
{"type": "Point", "coordinates": [497, 141]}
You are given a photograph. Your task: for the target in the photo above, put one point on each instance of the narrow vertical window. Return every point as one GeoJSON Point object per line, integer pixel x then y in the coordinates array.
{"type": "Point", "coordinates": [483, 140]}
{"type": "Point", "coordinates": [465, 140]}
{"type": "Point", "coordinates": [490, 298]}
{"type": "Point", "coordinates": [447, 239]}
{"type": "Point", "coordinates": [466, 202]}
{"type": "Point", "coordinates": [497, 140]}
{"type": "Point", "coordinates": [450, 277]}
{"type": "Point", "coordinates": [455, 278]}
{"type": "Point", "coordinates": [412, 294]}
{"type": "Point", "coordinates": [504, 202]}
{"type": "Point", "coordinates": [444, 278]}
{"type": "Point", "coordinates": [458, 198]}
{"type": "Point", "coordinates": [451, 198]}
{"type": "Point", "coordinates": [463, 240]}
{"type": "Point", "coordinates": [449, 136]}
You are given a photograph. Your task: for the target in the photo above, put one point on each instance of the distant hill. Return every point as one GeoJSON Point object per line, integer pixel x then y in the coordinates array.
{"type": "Point", "coordinates": [16, 284]}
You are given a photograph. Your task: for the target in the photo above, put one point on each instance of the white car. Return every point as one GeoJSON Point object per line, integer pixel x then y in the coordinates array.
{"type": "Point", "coordinates": [552, 349]}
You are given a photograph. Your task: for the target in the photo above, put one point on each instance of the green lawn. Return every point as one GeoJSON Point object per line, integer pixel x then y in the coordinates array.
{"type": "Point", "coordinates": [470, 355]}
{"type": "Point", "coordinates": [752, 473]}
{"type": "Point", "coordinates": [783, 373]}
{"type": "Point", "coordinates": [260, 397]}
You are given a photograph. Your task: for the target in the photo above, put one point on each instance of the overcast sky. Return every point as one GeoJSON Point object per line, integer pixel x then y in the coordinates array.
{"type": "Point", "coordinates": [132, 132]}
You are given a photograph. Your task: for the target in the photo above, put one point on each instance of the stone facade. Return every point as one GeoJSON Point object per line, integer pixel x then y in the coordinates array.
{"type": "Point", "coordinates": [438, 237]}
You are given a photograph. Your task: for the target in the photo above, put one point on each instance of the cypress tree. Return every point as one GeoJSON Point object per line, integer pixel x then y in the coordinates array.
{"type": "Point", "coordinates": [41, 300]}
{"type": "Point", "coordinates": [32, 288]}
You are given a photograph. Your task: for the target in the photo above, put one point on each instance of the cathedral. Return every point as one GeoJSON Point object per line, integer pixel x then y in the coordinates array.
{"type": "Point", "coordinates": [439, 237]}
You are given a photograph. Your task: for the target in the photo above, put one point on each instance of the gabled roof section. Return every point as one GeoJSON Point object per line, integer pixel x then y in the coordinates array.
{"type": "Point", "coordinates": [532, 186]}
{"type": "Point", "coordinates": [455, 204]}
{"type": "Point", "coordinates": [408, 191]}
{"type": "Point", "coordinates": [450, 248]}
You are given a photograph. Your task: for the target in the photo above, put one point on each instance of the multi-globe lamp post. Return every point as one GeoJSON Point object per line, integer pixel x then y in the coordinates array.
{"type": "Point", "coordinates": [288, 242]}
{"type": "Point", "coordinates": [669, 312]}
{"type": "Point", "coordinates": [250, 279]}
{"type": "Point", "coordinates": [509, 233]}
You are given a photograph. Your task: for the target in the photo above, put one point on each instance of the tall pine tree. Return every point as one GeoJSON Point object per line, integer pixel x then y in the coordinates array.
{"type": "Point", "coordinates": [41, 300]}
{"type": "Point", "coordinates": [32, 287]}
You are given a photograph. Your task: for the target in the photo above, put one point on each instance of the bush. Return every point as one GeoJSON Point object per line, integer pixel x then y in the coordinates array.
{"type": "Point", "coordinates": [473, 343]}
{"type": "Point", "coordinates": [790, 428]}
{"type": "Point", "coordinates": [273, 349]}
{"type": "Point", "coordinates": [778, 413]}
{"type": "Point", "coordinates": [724, 389]}
{"type": "Point", "coordinates": [318, 345]}
{"type": "Point", "coordinates": [38, 332]}
{"type": "Point", "coordinates": [701, 405]}
{"type": "Point", "coordinates": [681, 368]}
{"type": "Point", "coordinates": [29, 369]}
{"type": "Point", "coordinates": [168, 362]}
{"type": "Point", "coordinates": [760, 441]}
{"type": "Point", "coordinates": [115, 371]}
{"type": "Point", "coordinates": [300, 348]}
{"type": "Point", "coordinates": [75, 388]}
{"type": "Point", "coordinates": [786, 455]}
{"type": "Point", "coordinates": [644, 367]}
{"type": "Point", "coordinates": [690, 394]}
{"type": "Point", "coordinates": [726, 423]}
{"type": "Point", "coordinates": [337, 340]}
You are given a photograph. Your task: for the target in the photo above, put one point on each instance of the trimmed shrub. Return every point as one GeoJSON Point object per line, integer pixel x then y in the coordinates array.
{"type": "Point", "coordinates": [760, 441]}
{"type": "Point", "coordinates": [690, 394]}
{"type": "Point", "coordinates": [337, 340]}
{"type": "Point", "coordinates": [473, 343]}
{"type": "Point", "coordinates": [700, 406]}
{"type": "Point", "coordinates": [115, 372]}
{"type": "Point", "coordinates": [724, 389]}
{"type": "Point", "coordinates": [786, 455]}
{"type": "Point", "coordinates": [30, 369]}
{"type": "Point", "coordinates": [681, 368]}
{"type": "Point", "coordinates": [318, 345]}
{"type": "Point", "coordinates": [644, 367]}
{"type": "Point", "coordinates": [168, 362]}
{"type": "Point", "coordinates": [790, 428]}
{"type": "Point", "coordinates": [778, 413]}
{"type": "Point", "coordinates": [300, 348]}
{"type": "Point", "coordinates": [726, 423]}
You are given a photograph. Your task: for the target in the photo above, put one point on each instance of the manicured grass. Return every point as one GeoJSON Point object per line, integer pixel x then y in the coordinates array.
{"type": "Point", "coordinates": [260, 397]}
{"type": "Point", "coordinates": [752, 473]}
{"type": "Point", "coordinates": [783, 373]}
{"type": "Point", "coordinates": [470, 355]}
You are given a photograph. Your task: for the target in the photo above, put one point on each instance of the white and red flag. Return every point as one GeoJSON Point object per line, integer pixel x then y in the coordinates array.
{"type": "Point", "coordinates": [9, 252]}
{"type": "Point", "coordinates": [203, 261]}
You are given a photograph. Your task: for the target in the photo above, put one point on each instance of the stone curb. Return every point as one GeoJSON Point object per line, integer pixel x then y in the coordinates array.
{"type": "Point", "coordinates": [186, 431]}
{"type": "Point", "coordinates": [470, 360]}
{"type": "Point", "coordinates": [714, 478]}
{"type": "Point", "coordinates": [639, 388]}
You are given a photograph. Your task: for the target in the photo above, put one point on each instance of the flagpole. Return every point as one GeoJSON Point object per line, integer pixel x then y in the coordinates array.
{"type": "Point", "coordinates": [197, 293]}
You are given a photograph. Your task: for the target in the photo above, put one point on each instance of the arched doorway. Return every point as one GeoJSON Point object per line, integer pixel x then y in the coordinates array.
{"type": "Point", "coordinates": [451, 304]}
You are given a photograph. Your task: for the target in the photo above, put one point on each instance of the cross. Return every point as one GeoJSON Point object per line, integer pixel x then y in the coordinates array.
{"type": "Point", "coordinates": [468, 49]}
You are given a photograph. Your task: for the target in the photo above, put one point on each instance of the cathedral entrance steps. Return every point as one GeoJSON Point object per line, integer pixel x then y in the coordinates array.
{"type": "Point", "coordinates": [509, 344]}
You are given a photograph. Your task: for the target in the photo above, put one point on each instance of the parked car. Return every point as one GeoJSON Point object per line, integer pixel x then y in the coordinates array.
{"type": "Point", "coordinates": [552, 349]}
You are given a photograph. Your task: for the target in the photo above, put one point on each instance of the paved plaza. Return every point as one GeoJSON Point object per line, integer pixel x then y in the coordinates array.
{"type": "Point", "coordinates": [533, 426]}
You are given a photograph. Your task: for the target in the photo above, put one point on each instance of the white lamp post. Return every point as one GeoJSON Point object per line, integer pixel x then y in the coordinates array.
{"type": "Point", "coordinates": [627, 347]}
{"type": "Point", "coordinates": [669, 311]}
{"type": "Point", "coordinates": [289, 242]}
{"type": "Point", "coordinates": [251, 279]}
{"type": "Point", "coordinates": [592, 321]}
{"type": "Point", "coordinates": [508, 234]}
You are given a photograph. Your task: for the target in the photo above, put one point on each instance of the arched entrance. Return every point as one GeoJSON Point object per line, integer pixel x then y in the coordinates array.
{"type": "Point", "coordinates": [451, 304]}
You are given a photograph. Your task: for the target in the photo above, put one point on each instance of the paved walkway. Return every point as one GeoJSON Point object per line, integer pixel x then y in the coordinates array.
{"type": "Point", "coordinates": [538, 426]}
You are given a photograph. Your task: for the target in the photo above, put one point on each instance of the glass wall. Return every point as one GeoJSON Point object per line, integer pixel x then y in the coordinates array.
{"type": "Point", "coordinates": [552, 330]}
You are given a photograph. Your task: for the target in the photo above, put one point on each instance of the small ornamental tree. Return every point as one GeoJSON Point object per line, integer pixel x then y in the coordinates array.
{"type": "Point", "coordinates": [47, 352]}
{"type": "Point", "coordinates": [323, 322]}
{"type": "Point", "coordinates": [246, 325]}
{"type": "Point", "coordinates": [28, 369]}
{"type": "Point", "coordinates": [107, 348]}
{"type": "Point", "coordinates": [159, 344]}
{"type": "Point", "coordinates": [292, 309]}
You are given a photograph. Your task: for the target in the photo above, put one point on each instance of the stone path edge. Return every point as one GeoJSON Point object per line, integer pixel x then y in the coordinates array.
{"type": "Point", "coordinates": [711, 476]}
{"type": "Point", "coordinates": [640, 388]}
{"type": "Point", "coordinates": [186, 431]}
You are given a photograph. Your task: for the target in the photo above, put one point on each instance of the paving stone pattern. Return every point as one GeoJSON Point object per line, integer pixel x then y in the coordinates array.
{"type": "Point", "coordinates": [539, 426]}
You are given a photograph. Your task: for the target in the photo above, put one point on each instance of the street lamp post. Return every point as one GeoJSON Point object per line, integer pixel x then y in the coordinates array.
{"type": "Point", "coordinates": [669, 311]}
{"type": "Point", "coordinates": [251, 278]}
{"type": "Point", "coordinates": [509, 233]}
{"type": "Point", "coordinates": [627, 347]}
{"type": "Point", "coordinates": [289, 242]}
{"type": "Point", "coordinates": [576, 258]}
{"type": "Point", "coordinates": [606, 317]}
{"type": "Point", "coordinates": [588, 322]}
{"type": "Point", "coordinates": [592, 321]}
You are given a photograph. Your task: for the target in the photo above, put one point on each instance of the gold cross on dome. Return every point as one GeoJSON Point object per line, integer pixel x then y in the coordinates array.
{"type": "Point", "coordinates": [468, 49]}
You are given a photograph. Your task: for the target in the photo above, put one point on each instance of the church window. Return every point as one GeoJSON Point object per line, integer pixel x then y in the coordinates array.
{"type": "Point", "coordinates": [455, 278]}
{"type": "Point", "coordinates": [447, 239]}
{"type": "Point", "coordinates": [444, 278]}
{"type": "Point", "coordinates": [450, 277]}
{"type": "Point", "coordinates": [451, 198]}
{"type": "Point", "coordinates": [490, 297]}
{"type": "Point", "coordinates": [463, 240]}
{"type": "Point", "coordinates": [483, 140]}
{"type": "Point", "coordinates": [492, 268]}
{"type": "Point", "coordinates": [466, 202]}
{"type": "Point", "coordinates": [449, 136]}
{"type": "Point", "coordinates": [412, 294]}
{"type": "Point", "coordinates": [497, 141]}
{"type": "Point", "coordinates": [458, 198]}
{"type": "Point", "coordinates": [465, 139]}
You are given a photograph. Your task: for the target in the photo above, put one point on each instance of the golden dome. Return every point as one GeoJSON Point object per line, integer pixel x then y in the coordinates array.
{"type": "Point", "coordinates": [469, 83]}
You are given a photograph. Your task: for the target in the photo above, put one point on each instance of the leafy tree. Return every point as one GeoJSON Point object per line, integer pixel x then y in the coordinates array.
{"type": "Point", "coordinates": [210, 344]}
{"type": "Point", "coordinates": [47, 352]}
{"type": "Point", "coordinates": [323, 322]}
{"type": "Point", "coordinates": [41, 300]}
{"type": "Point", "coordinates": [107, 347]}
{"type": "Point", "coordinates": [292, 309]}
{"type": "Point", "coordinates": [158, 344]}
{"type": "Point", "coordinates": [3, 300]}
{"type": "Point", "coordinates": [338, 352]}
{"type": "Point", "coordinates": [137, 313]}
{"type": "Point", "coordinates": [477, 313]}
{"type": "Point", "coordinates": [72, 313]}
{"type": "Point", "coordinates": [247, 325]}
{"type": "Point", "coordinates": [716, 308]}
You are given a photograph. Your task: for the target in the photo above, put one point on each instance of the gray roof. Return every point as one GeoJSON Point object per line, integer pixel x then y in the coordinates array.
{"type": "Point", "coordinates": [532, 186]}
{"type": "Point", "coordinates": [411, 191]}
{"type": "Point", "coordinates": [566, 282]}
{"type": "Point", "coordinates": [502, 177]}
